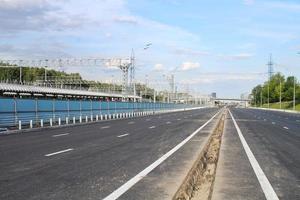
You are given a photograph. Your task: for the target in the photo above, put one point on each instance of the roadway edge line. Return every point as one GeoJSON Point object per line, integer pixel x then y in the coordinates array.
{"type": "Point", "coordinates": [266, 186]}
{"type": "Point", "coordinates": [126, 186]}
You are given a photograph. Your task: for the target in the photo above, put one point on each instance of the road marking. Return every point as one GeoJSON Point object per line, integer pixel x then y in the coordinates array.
{"type": "Point", "coordinates": [285, 127]}
{"type": "Point", "coordinates": [58, 135]}
{"type": "Point", "coordinates": [119, 136]}
{"type": "Point", "coordinates": [126, 186]}
{"type": "Point", "coordinates": [104, 127]}
{"type": "Point", "coordinates": [273, 123]}
{"type": "Point", "coordinates": [262, 179]}
{"type": "Point", "coordinates": [58, 152]}
{"type": "Point", "coordinates": [131, 122]}
{"type": "Point", "coordinates": [178, 119]}
{"type": "Point", "coordinates": [148, 119]}
{"type": "Point", "coordinates": [168, 122]}
{"type": "Point", "coordinates": [152, 127]}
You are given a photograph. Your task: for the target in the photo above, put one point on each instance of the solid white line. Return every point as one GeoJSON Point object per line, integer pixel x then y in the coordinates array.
{"type": "Point", "coordinates": [126, 186]}
{"type": "Point", "coordinates": [58, 152]}
{"type": "Point", "coordinates": [119, 136]}
{"type": "Point", "coordinates": [285, 127]}
{"type": "Point", "coordinates": [262, 179]}
{"type": "Point", "coordinates": [58, 135]}
{"type": "Point", "coordinates": [152, 127]}
{"type": "Point", "coordinates": [104, 127]}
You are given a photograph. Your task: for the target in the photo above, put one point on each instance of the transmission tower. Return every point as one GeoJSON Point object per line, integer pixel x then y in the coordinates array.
{"type": "Point", "coordinates": [270, 67]}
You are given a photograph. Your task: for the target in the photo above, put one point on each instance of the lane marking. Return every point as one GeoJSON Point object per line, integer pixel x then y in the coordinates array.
{"type": "Point", "coordinates": [262, 179]}
{"type": "Point", "coordinates": [168, 122]}
{"type": "Point", "coordinates": [285, 127]}
{"type": "Point", "coordinates": [152, 127]}
{"type": "Point", "coordinates": [126, 134]}
{"type": "Point", "coordinates": [178, 119]}
{"type": "Point", "coordinates": [58, 152]}
{"type": "Point", "coordinates": [104, 127]}
{"type": "Point", "coordinates": [273, 123]}
{"type": "Point", "coordinates": [131, 122]}
{"type": "Point", "coordinates": [126, 186]}
{"type": "Point", "coordinates": [58, 135]}
{"type": "Point", "coordinates": [148, 119]}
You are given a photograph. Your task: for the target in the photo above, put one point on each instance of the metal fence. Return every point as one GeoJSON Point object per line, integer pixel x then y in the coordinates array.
{"type": "Point", "coordinates": [39, 112]}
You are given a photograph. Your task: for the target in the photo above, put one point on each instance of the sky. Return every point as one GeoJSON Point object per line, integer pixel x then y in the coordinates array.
{"type": "Point", "coordinates": [209, 45]}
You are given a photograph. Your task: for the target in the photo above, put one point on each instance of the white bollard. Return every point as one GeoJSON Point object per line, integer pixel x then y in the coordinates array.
{"type": "Point", "coordinates": [92, 118]}
{"type": "Point", "coordinates": [74, 120]}
{"type": "Point", "coordinates": [20, 124]}
{"type": "Point", "coordinates": [59, 121]}
{"type": "Point", "coordinates": [67, 120]}
{"type": "Point", "coordinates": [51, 122]}
{"type": "Point", "coordinates": [109, 116]}
{"type": "Point", "coordinates": [42, 123]}
{"type": "Point", "coordinates": [30, 124]}
{"type": "Point", "coordinates": [86, 119]}
{"type": "Point", "coordinates": [105, 117]}
{"type": "Point", "coordinates": [101, 117]}
{"type": "Point", "coordinates": [80, 119]}
{"type": "Point", "coordinates": [97, 117]}
{"type": "Point", "coordinates": [113, 116]}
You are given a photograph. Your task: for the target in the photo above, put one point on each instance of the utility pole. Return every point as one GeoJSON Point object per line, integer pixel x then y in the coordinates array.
{"type": "Point", "coordinates": [270, 72]}
{"type": "Point", "coordinates": [294, 96]}
{"type": "Point", "coordinates": [280, 92]}
{"type": "Point", "coordinates": [261, 97]}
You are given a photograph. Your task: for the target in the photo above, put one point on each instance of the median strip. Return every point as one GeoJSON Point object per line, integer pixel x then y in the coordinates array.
{"type": "Point", "coordinates": [58, 152]}
{"type": "Point", "coordinates": [152, 127]}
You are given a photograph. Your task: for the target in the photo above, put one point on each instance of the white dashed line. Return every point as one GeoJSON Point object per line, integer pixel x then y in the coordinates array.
{"type": "Point", "coordinates": [119, 136]}
{"type": "Point", "coordinates": [262, 179]}
{"type": "Point", "coordinates": [131, 122]}
{"type": "Point", "coordinates": [273, 123]}
{"type": "Point", "coordinates": [285, 127]}
{"type": "Point", "coordinates": [104, 127]}
{"type": "Point", "coordinates": [168, 122]}
{"type": "Point", "coordinates": [58, 135]}
{"type": "Point", "coordinates": [148, 119]}
{"type": "Point", "coordinates": [152, 127]}
{"type": "Point", "coordinates": [178, 119]}
{"type": "Point", "coordinates": [58, 152]}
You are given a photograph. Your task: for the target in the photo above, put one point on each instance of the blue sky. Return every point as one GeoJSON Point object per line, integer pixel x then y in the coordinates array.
{"type": "Point", "coordinates": [215, 46]}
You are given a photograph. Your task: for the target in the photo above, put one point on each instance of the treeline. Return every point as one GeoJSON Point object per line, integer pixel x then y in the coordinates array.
{"type": "Point", "coordinates": [272, 89]}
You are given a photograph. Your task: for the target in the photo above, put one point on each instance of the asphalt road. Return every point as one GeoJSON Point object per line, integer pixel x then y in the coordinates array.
{"type": "Point", "coordinates": [89, 161]}
{"type": "Point", "coordinates": [274, 139]}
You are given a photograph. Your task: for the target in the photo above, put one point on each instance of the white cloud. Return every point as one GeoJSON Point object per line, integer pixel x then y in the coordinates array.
{"type": "Point", "coordinates": [240, 56]}
{"type": "Point", "coordinates": [126, 19]}
{"type": "Point", "coordinates": [186, 66]}
{"type": "Point", "coordinates": [290, 6]}
{"type": "Point", "coordinates": [189, 52]}
{"type": "Point", "coordinates": [158, 67]}
{"type": "Point", "coordinates": [249, 2]}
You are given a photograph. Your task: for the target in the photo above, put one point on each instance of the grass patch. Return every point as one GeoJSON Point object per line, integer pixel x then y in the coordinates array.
{"type": "Point", "coordinates": [284, 105]}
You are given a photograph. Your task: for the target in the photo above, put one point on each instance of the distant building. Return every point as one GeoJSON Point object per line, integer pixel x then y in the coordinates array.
{"type": "Point", "coordinates": [214, 95]}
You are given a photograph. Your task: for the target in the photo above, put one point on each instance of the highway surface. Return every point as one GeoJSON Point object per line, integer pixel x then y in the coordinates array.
{"type": "Point", "coordinates": [90, 161]}
{"type": "Point", "coordinates": [274, 139]}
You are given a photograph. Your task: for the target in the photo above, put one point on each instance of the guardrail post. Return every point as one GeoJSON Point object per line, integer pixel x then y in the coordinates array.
{"type": "Point", "coordinates": [101, 117]}
{"type": "Point", "coordinates": [59, 121]}
{"type": "Point", "coordinates": [86, 118]}
{"type": "Point", "coordinates": [67, 120]}
{"type": "Point", "coordinates": [20, 124]}
{"type": "Point", "coordinates": [51, 122]}
{"type": "Point", "coordinates": [97, 117]}
{"type": "Point", "coordinates": [74, 120]}
{"type": "Point", "coordinates": [80, 119]}
{"type": "Point", "coordinates": [30, 123]}
{"type": "Point", "coordinates": [42, 123]}
{"type": "Point", "coordinates": [92, 118]}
